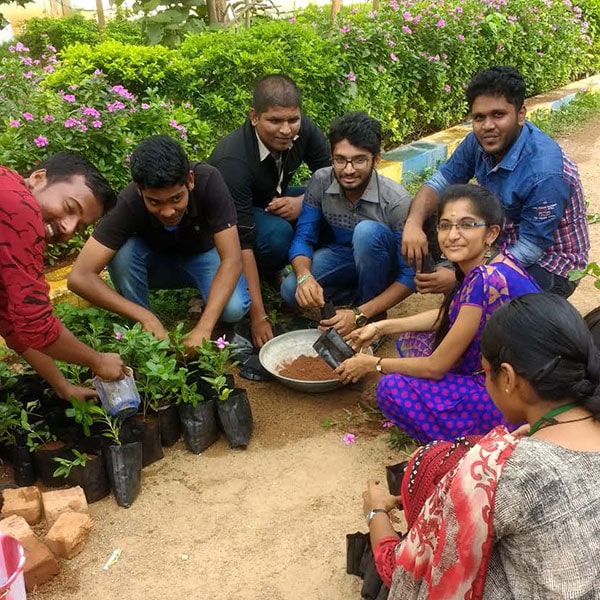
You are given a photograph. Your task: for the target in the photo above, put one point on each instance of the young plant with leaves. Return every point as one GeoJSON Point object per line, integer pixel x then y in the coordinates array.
{"type": "Point", "coordinates": [65, 465]}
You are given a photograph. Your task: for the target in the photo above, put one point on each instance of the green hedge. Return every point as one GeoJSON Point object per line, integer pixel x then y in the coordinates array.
{"type": "Point", "coordinates": [406, 65]}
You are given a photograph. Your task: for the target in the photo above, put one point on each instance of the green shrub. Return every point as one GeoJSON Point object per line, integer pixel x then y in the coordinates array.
{"type": "Point", "coordinates": [58, 32]}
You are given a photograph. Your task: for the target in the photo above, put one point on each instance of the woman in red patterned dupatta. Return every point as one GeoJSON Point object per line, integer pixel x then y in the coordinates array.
{"type": "Point", "coordinates": [504, 516]}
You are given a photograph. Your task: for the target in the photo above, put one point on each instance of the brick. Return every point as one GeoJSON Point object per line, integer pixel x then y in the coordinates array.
{"type": "Point", "coordinates": [40, 563]}
{"type": "Point", "coordinates": [60, 501]}
{"type": "Point", "coordinates": [25, 502]}
{"type": "Point", "coordinates": [68, 535]}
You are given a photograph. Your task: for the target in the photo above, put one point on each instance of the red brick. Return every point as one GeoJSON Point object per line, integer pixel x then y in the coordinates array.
{"type": "Point", "coordinates": [60, 501]}
{"type": "Point", "coordinates": [25, 502]}
{"type": "Point", "coordinates": [68, 535]}
{"type": "Point", "coordinates": [40, 563]}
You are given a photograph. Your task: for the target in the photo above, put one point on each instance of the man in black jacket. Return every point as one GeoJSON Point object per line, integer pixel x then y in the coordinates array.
{"type": "Point", "coordinates": [257, 162]}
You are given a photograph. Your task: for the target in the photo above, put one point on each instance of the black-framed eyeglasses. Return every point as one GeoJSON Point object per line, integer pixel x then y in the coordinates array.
{"type": "Point", "coordinates": [358, 162]}
{"type": "Point", "coordinates": [446, 226]}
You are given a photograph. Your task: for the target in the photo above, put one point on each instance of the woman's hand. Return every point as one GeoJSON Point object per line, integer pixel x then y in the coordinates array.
{"type": "Point", "coordinates": [352, 369]}
{"type": "Point", "coordinates": [363, 337]}
{"type": "Point", "coordinates": [377, 497]}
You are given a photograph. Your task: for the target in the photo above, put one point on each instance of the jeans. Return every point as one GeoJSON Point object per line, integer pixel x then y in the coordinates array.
{"type": "Point", "coordinates": [273, 236]}
{"type": "Point", "coordinates": [356, 274]}
{"type": "Point", "coordinates": [136, 268]}
{"type": "Point", "coordinates": [549, 282]}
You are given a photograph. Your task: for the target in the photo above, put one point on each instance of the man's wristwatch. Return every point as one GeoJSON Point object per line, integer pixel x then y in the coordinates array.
{"type": "Point", "coordinates": [360, 319]}
{"type": "Point", "coordinates": [369, 516]}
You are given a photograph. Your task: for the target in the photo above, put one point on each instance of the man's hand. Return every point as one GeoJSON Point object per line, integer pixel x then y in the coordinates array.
{"type": "Point", "coordinates": [76, 391]}
{"type": "Point", "coordinates": [414, 244]}
{"type": "Point", "coordinates": [109, 366]}
{"type": "Point", "coordinates": [153, 325]}
{"type": "Point", "coordinates": [441, 281]}
{"type": "Point", "coordinates": [342, 321]}
{"type": "Point", "coordinates": [286, 207]}
{"type": "Point", "coordinates": [195, 339]}
{"type": "Point", "coordinates": [261, 330]}
{"type": "Point", "coordinates": [309, 294]}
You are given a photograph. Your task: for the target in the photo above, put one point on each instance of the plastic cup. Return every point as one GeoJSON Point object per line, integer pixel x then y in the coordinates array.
{"type": "Point", "coordinates": [12, 562]}
{"type": "Point", "coordinates": [119, 398]}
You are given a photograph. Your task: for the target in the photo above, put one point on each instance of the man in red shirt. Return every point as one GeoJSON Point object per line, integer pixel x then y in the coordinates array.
{"type": "Point", "coordinates": [64, 194]}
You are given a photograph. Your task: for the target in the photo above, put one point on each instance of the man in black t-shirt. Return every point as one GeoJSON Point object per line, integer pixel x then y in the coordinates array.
{"type": "Point", "coordinates": [257, 161]}
{"type": "Point", "coordinates": [173, 227]}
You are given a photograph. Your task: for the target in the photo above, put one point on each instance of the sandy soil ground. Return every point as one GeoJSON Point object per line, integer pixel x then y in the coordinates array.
{"type": "Point", "coordinates": [268, 522]}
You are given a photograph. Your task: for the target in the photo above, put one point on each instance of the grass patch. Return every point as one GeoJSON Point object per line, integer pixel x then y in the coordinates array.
{"type": "Point", "coordinates": [569, 118]}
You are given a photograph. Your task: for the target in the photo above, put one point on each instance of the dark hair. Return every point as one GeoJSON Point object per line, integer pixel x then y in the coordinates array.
{"type": "Point", "coordinates": [592, 320]}
{"type": "Point", "coordinates": [359, 129]}
{"type": "Point", "coordinates": [497, 81]}
{"type": "Point", "coordinates": [488, 208]}
{"type": "Point", "coordinates": [275, 90]}
{"type": "Point", "coordinates": [546, 341]}
{"type": "Point", "coordinates": [65, 165]}
{"type": "Point", "coordinates": [159, 162]}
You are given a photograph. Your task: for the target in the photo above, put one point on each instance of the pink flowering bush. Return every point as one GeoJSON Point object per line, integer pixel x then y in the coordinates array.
{"type": "Point", "coordinates": [102, 121]}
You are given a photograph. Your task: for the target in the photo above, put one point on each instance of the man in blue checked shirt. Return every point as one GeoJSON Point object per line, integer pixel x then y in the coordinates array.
{"type": "Point", "coordinates": [546, 226]}
{"type": "Point", "coordinates": [346, 246]}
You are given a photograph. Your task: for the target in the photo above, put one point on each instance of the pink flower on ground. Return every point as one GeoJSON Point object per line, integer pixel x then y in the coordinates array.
{"type": "Point", "coordinates": [28, 116]}
{"type": "Point", "coordinates": [221, 343]}
{"type": "Point", "coordinates": [351, 76]}
{"type": "Point", "coordinates": [15, 123]}
{"type": "Point", "coordinates": [461, 37]}
{"type": "Point", "coordinates": [292, 20]}
{"type": "Point", "coordinates": [28, 74]}
{"type": "Point", "coordinates": [69, 98]}
{"type": "Point", "coordinates": [349, 438]}
{"type": "Point", "coordinates": [447, 88]}
{"type": "Point", "coordinates": [90, 111]}
{"type": "Point", "coordinates": [115, 106]}
{"type": "Point", "coordinates": [47, 118]}
{"type": "Point", "coordinates": [387, 424]}
{"type": "Point", "coordinates": [97, 124]}
{"type": "Point", "coordinates": [144, 106]}
{"type": "Point", "coordinates": [441, 23]}
{"type": "Point", "coordinates": [406, 29]}
{"type": "Point", "coordinates": [393, 57]}
{"type": "Point", "coordinates": [118, 335]}
{"type": "Point", "coordinates": [41, 141]}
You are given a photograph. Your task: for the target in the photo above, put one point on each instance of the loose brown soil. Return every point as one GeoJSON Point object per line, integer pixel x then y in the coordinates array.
{"type": "Point", "coordinates": [307, 368]}
{"type": "Point", "coordinates": [268, 523]}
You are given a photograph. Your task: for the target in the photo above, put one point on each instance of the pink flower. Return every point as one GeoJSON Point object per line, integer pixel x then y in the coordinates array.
{"type": "Point", "coordinates": [406, 29]}
{"type": "Point", "coordinates": [90, 111]}
{"type": "Point", "coordinates": [115, 106]}
{"type": "Point", "coordinates": [441, 23]}
{"type": "Point", "coordinates": [121, 91]}
{"type": "Point", "coordinates": [69, 98]}
{"type": "Point", "coordinates": [293, 20]}
{"type": "Point", "coordinates": [349, 438]}
{"type": "Point", "coordinates": [71, 122]}
{"type": "Point", "coordinates": [47, 118]}
{"type": "Point", "coordinates": [49, 69]}
{"type": "Point", "coordinates": [28, 74]}
{"type": "Point", "coordinates": [221, 342]}
{"type": "Point", "coordinates": [144, 106]}
{"type": "Point", "coordinates": [41, 141]}
{"type": "Point", "coordinates": [97, 124]}
{"type": "Point", "coordinates": [393, 57]}
{"type": "Point", "coordinates": [387, 424]}
{"type": "Point", "coordinates": [28, 116]}
{"type": "Point", "coordinates": [461, 37]}
{"type": "Point", "coordinates": [351, 76]}
{"type": "Point", "coordinates": [118, 335]}
{"type": "Point", "coordinates": [447, 88]}
{"type": "Point", "coordinates": [15, 123]}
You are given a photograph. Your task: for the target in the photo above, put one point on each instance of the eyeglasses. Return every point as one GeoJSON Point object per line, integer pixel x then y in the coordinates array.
{"type": "Point", "coordinates": [446, 226]}
{"type": "Point", "coordinates": [360, 162]}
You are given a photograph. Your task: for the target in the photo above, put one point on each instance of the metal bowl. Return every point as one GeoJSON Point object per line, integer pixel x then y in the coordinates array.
{"type": "Point", "coordinates": [287, 347]}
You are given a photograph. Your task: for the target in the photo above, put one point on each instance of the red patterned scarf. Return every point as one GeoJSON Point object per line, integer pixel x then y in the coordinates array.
{"type": "Point", "coordinates": [447, 550]}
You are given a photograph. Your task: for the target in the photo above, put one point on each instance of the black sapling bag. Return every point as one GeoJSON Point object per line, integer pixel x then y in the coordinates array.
{"type": "Point", "coordinates": [332, 348]}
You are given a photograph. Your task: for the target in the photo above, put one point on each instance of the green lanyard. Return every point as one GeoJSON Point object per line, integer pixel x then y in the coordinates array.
{"type": "Point", "coordinates": [548, 418]}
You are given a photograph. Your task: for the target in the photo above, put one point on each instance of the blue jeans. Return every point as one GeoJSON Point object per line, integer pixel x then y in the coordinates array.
{"type": "Point", "coordinates": [353, 275]}
{"type": "Point", "coordinates": [135, 269]}
{"type": "Point", "coordinates": [273, 236]}
{"type": "Point", "coordinates": [549, 282]}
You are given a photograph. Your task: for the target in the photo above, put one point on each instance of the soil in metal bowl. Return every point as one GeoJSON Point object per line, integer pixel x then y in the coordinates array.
{"type": "Point", "coordinates": [307, 368]}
